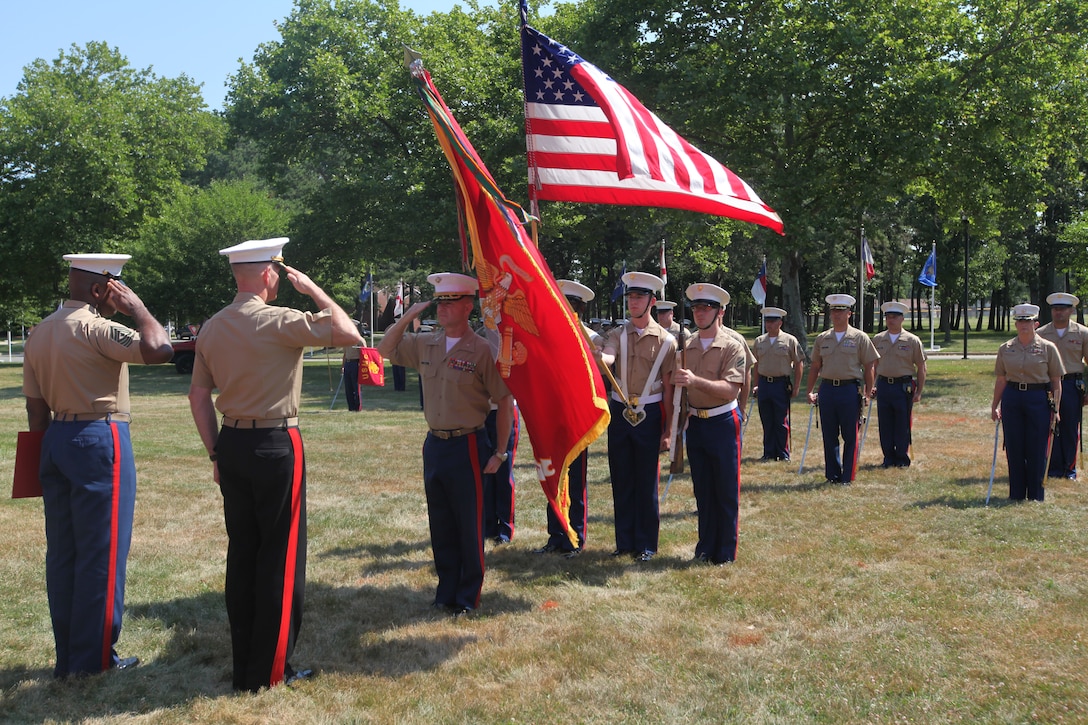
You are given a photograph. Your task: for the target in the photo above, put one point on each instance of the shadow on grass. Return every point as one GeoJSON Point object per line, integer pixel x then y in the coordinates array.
{"type": "Point", "coordinates": [384, 631]}
{"type": "Point", "coordinates": [998, 497]}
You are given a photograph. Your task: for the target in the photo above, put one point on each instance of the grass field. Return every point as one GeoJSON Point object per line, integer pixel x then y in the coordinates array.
{"type": "Point", "coordinates": [899, 599]}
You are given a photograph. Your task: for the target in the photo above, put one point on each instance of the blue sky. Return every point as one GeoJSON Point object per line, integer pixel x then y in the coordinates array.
{"type": "Point", "coordinates": [204, 39]}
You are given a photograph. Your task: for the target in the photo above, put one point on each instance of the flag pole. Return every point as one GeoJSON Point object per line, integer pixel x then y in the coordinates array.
{"type": "Point", "coordinates": [861, 280]}
{"type": "Point", "coordinates": [762, 319]}
{"type": "Point", "coordinates": [932, 300]}
{"type": "Point", "coordinates": [371, 275]}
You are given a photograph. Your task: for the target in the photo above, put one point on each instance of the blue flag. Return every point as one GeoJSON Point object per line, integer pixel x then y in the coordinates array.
{"type": "Point", "coordinates": [364, 293]}
{"type": "Point", "coordinates": [620, 286]}
{"type": "Point", "coordinates": [928, 277]}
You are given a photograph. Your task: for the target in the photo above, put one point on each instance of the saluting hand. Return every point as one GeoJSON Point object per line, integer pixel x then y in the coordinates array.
{"type": "Point", "coordinates": [123, 299]}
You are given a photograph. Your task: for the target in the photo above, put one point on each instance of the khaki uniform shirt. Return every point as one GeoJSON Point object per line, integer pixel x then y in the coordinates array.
{"type": "Point", "coordinates": [1036, 362]}
{"type": "Point", "coordinates": [1073, 345]}
{"type": "Point", "coordinates": [642, 351]}
{"type": "Point", "coordinates": [724, 359]}
{"type": "Point", "coordinates": [252, 352]}
{"type": "Point", "coordinates": [457, 386]}
{"type": "Point", "coordinates": [595, 339]}
{"type": "Point", "coordinates": [843, 359]}
{"type": "Point", "coordinates": [749, 357]}
{"type": "Point", "coordinates": [898, 359]}
{"type": "Point", "coordinates": [77, 361]}
{"type": "Point", "coordinates": [778, 356]}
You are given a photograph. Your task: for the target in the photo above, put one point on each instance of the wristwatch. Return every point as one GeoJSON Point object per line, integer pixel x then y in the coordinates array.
{"type": "Point", "coordinates": [502, 455]}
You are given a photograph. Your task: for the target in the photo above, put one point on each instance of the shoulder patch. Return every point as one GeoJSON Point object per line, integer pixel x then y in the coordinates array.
{"type": "Point", "coordinates": [122, 335]}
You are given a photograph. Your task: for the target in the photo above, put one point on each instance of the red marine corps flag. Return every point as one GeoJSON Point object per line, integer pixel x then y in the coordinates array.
{"type": "Point", "coordinates": [543, 356]}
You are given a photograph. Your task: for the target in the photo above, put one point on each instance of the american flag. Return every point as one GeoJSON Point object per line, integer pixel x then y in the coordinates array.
{"type": "Point", "coordinates": [590, 140]}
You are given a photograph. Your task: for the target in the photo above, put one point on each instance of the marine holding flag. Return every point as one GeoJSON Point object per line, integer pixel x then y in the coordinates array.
{"type": "Point", "coordinates": [543, 356]}
{"type": "Point", "coordinates": [643, 353]}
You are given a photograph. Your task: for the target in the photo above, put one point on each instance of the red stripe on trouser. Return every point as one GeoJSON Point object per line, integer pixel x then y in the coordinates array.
{"type": "Point", "coordinates": [477, 475]}
{"type": "Point", "coordinates": [857, 440]}
{"type": "Point", "coordinates": [739, 428]}
{"type": "Point", "coordinates": [279, 662]}
{"type": "Point", "coordinates": [111, 574]}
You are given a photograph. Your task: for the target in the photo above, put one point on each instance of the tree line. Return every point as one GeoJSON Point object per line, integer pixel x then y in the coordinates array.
{"type": "Point", "coordinates": [922, 123]}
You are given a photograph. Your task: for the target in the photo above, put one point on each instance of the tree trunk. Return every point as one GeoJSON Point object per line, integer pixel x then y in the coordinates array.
{"type": "Point", "coordinates": [791, 296]}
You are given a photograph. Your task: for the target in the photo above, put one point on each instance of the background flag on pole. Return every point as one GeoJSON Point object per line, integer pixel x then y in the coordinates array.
{"type": "Point", "coordinates": [398, 304]}
{"type": "Point", "coordinates": [590, 140]}
{"type": "Point", "coordinates": [543, 354]}
{"type": "Point", "coordinates": [620, 287]}
{"type": "Point", "coordinates": [867, 258]}
{"type": "Point", "coordinates": [664, 271]}
{"type": "Point", "coordinates": [928, 276]}
{"type": "Point", "coordinates": [364, 293]}
{"type": "Point", "coordinates": [759, 287]}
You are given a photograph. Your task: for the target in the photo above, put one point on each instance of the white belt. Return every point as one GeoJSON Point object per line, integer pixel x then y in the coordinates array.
{"type": "Point", "coordinates": [655, 398]}
{"type": "Point", "coordinates": [713, 412]}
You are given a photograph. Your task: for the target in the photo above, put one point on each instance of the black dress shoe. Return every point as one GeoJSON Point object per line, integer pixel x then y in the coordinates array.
{"type": "Point", "coordinates": [645, 556]}
{"type": "Point", "coordinates": [501, 539]}
{"type": "Point", "coordinates": [546, 549]}
{"type": "Point", "coordinates": [126, 663]}
{"type": "Point", "coordinates": [292, 675]}
{"type": "Point", "coordinates": [459, 612]}
{"type": "Point", "coordinates": [622, 552]}
{"type": "Point", "coordinates": [572, 553]}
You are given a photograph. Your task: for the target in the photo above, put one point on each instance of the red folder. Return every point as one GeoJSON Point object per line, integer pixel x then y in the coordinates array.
{"type": "Point", "coordinates": [28, 456]}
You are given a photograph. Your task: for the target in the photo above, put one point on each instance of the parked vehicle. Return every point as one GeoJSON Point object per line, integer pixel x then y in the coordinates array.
{"type": "Point", "coordinates": [184, 355]}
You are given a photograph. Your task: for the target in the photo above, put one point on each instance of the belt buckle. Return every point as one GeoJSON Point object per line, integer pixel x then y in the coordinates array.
{"type": "Point", "coordinates": [633, 400]}
{"type": "Point", "coordinates": [836, 382]}
{"type": "Point", "coordinates": [891, 381]}
{"type": "Point", "coordinates": [1022, 386]}
{"type": "Point", "coordinates": [768, 378]}
{"type": "Point", "coordinates": [702, 413]}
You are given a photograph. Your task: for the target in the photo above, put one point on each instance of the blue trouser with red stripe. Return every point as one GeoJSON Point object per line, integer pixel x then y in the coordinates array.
{"type": "Point", "coordinates": [262, 475]}
{"type": "Point", "coordinates": [1063, 454]}
{"type": "Point", "coordinates": [89, 490]}
{"type": "Point", "coordinates": [499, 487]}
{"type": "Point", "coordinates": [634, 466]}
{"type": "Point", "coordinates": [774, 413]}
{"type": "Point", "coordinates": [714, 457]}
{"type": "Point", "coordinates": [352, 391]}
{"type": "Point", "coordinates": [894, 404]}
{"type": "Point", "coordinates": [453, 481]}
{"type": "Point", "coordinates": [1025, 419]}
{"type": "Point", "coordinates": [839, 416]}
{"type": "Point", "coordinates": [576, 484]}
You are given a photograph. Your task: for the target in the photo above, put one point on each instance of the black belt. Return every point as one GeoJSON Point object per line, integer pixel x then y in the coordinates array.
{"type": "Point", "coordinates": [779, 379]}
{"type": "Point", "coordinates": [455, 433]}
{"type": "Point", "coordinates": [1029, 386]}
{"type": "Point", "coordinates": [843, 381]}
{"type": "Point", "coordinates": [896, 381]}
{"type": "Point", "coordinates": [1072, 376]}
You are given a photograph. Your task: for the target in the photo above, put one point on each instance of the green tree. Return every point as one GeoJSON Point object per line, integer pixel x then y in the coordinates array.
{"type": "Point", "coordinates": [89, 149]}
{"type": "Point", "coordinates": [332, 100]}
{"type": "Point", "coordinates": [179, 272]}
